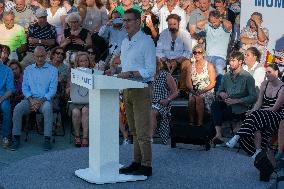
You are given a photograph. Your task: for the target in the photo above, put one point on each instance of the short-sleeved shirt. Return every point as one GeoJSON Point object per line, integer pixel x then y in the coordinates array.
{"type": "Point", "coordinates": [121, 10]}
{"type": "Point", "coordinates": [196, 16]}
{"type": "Point", "coordinates": [217, 41]}
{"type": "Point", "coordinates": [14, 37]}
{"type": "Point", "coordinates": [45, 32]}
{"type": "Point", "coordinates": [246, 32]}
{"type": "Point", "coordinates": [55, 19]}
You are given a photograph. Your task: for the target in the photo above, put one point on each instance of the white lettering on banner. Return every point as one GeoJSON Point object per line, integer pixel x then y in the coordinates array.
{"type": "Point", "coordinates": [269, 3]}
{"type": "Point", "coordinates": [82, 78]}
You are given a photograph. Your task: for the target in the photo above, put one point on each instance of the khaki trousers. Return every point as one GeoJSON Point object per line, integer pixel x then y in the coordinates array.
{"type": "Point", "coordinates": [138, 113]}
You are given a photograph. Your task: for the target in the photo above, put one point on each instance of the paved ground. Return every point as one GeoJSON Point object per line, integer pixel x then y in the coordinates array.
{"type": "Point", "coordinates": [33, 149]}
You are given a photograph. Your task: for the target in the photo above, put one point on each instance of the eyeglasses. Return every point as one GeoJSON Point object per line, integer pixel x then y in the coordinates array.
{"type": "Point", "coordinates": [59, 53]}
{"type": "Point", "coordinates": [128, 20]}
{"type": "Point", "coordinates": [197, 52]}
{"type": "Point", "coordinates": [173, 45]}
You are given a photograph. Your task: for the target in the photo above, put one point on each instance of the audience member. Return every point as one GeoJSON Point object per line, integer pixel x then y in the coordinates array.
{"type": "Point", "coordinates": [252, 65]}
{"type": "Point", "coordinates": [2, 8]}
{"type": "Point", "coordinates": [235, 95]}
{"type": "Point", "coordinates": [75, 37]}
{"type": "Point", "coordinates": [56, 14]}
{"type": "Point", "coordinates": [235, 6]}
{"type": "Point", "coordinates": [262, 121]}
{"type": "Point", "coordinates": [151, 25]}
{"type": "Point", "coordinates": [18, 80]}
{"type": "Point", "coordinates": [225, 12]}
{"type": "Point", "coordinates": [6, 51]}
{"type": "Point", "coordinates": [12, 35]}
{"type": "Point", "coordinates": [69, 6]}
{"type": "Point", "coordinates": [78, 110]}
{"type": "Point", "coordinates": [164, 8]}
{"type": "Point", "coordinates": [138, 63]}
{"type": "Point", "coordinates": [39, 87]}
{"type": "Point", "coordinates": [164, 91]}
{"type": "Point", "coordinates": [24, 15]}
{"type": "Point", "coordinates": [7, 88]}
{"type": "Point", "coordinates": [146, 5]}
{"type": "Point", "coordinates": [40, 33]}
{"type": "Point", "coordinates": [110, 6]}
{"type": "Point", "coordinates": [254, 35]}
{"type": "Point", "coordinates": [201, 79]}
{"type": "Point", "coordinates": [114, 33]}
{"type": "Point", "coordinates": [218, 32]}
{"type": "Point", "coordinates": [174, 47]}
{"type": "Point", "coordinates": [127, 4]}
{"type": "Point", "coordinates": [200, 13]}
{"type": "Point", "coordinates": [96, 16]}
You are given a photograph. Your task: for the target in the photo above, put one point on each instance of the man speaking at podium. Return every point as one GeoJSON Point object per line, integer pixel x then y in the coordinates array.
{"type": "Point", "coordinates": [138, 62]}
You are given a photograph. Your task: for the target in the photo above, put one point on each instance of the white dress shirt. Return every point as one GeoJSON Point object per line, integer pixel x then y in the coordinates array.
{"type": "Point", "coordinates": [163, 13]}
{"type": "Point", "coordinates": [139, 54]}
{"type": "Point", "coordinates": [258, 73]}
{"type": "Point", "coordinates": [182, 45]}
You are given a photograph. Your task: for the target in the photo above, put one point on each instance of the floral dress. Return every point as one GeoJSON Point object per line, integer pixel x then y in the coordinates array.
{"type": "Point", "coordinates": [200, 81]}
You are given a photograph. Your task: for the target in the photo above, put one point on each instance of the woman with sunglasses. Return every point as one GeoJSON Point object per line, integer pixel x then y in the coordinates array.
{"type": "Point", "coordinates": [201, 79]}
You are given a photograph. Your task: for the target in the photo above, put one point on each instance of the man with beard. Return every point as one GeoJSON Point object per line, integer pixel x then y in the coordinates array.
{"type": "Point", "coordinates": [174, 47]}
{"type": "Point", "coordinates": [218, 31]}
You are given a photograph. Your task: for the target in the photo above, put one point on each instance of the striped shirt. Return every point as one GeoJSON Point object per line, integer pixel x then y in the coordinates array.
{"type": "Point", "coordinates": [37, 32]}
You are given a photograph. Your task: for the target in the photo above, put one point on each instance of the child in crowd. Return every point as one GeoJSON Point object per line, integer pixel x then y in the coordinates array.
{"type": "Point", "coordinates": [164, 91]}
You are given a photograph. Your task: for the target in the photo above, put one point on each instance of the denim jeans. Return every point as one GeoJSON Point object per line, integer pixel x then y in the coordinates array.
{"type": "Point", "coordinates": [7, 118]}
{"type": "Point", "coordinates": [219, 65]}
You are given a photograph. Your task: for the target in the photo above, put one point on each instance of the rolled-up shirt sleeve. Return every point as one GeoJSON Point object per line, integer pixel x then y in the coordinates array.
{"type": "Point", "coordinates": [52, 86]}
{"type": "Point", "coordinates": [150, 60]}
{"type": "Point", "coordinates": [187, 53]}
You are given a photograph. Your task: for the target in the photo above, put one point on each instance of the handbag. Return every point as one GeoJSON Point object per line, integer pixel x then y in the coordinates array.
{"type": "Point", "coordinates": [79, 94]}
{"type": "Point", "coordinates": [263, 164]}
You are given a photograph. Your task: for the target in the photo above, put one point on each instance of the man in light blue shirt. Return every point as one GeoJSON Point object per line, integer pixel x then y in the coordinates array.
{"type": "Point", "coordinates": [6, 89]}
{"type": "Point", "coordinates": [218, 31]}
{"type": "Point", "coordinates": [39, 87]}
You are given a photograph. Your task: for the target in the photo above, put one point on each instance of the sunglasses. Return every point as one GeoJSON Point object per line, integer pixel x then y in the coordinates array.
{"type": "Point", "coordinates": [59, 53]}
{"type": "Point", "coordinates": [197, 52]}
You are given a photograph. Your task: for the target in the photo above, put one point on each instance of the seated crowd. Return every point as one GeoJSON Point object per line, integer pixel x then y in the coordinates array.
{"type": "Point", "coordinates": [42, 40]}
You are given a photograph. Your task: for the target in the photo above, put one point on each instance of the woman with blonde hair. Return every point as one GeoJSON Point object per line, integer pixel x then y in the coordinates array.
{"type": "Point", "coordinates": [79, 108]}
{"type": "Point", "coordinates": [201, 79]}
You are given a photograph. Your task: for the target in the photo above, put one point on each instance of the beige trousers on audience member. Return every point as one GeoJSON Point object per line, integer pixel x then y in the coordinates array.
{"type": "Point", "coordinates": [138, 113]}
{"type": "Point", "coordinates": [27, 60]}
{"type": "Point", "coordinates": [183, 68]}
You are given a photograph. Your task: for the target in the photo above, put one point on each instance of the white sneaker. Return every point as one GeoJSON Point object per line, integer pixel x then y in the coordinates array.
{"type": "Point", "coordinates": [231, 143]}
{"type": "Point", "coordinates": [125, 142]}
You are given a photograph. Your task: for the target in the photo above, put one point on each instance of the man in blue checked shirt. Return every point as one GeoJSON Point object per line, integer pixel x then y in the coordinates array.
{"type": "Point", "coordinates": [6, 89]}
{"type": "Point", "coordinates": [39, 87]}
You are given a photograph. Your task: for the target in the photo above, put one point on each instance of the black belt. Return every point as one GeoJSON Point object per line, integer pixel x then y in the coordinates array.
{"type": "Point", "coordinates": [149, 82]}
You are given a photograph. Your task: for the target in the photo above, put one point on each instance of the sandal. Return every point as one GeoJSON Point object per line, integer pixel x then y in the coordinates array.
{"type": "Point", "coordinates": [85, 142]}
{"type": "Point", "coordinates": [77, 141]}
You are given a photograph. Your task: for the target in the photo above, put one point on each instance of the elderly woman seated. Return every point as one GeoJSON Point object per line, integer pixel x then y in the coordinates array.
{"type": "Point", "coordinates": [79, 108]}
{"type": "Point", "coordinates": [75, 37]}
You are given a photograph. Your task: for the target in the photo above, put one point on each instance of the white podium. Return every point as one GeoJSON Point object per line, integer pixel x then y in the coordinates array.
{"type": "Point", "coordinates": [104, 127]}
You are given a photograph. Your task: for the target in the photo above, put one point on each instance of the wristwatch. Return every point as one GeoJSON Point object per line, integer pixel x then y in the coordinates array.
{"type": "Point", "coordinates": [39, 41]}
